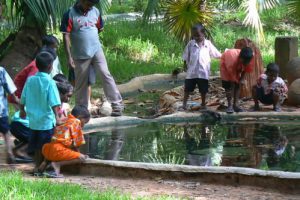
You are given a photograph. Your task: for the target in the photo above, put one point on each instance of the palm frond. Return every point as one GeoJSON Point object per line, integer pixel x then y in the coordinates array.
{"type": "Point", "coordinates": [181, 15]}
{"type": "Point", "coordinates": [152, 8]}
{"type": "Point", "coordinates": [252, 18]}
{"type": "Point", "coordinates": [294, 8]}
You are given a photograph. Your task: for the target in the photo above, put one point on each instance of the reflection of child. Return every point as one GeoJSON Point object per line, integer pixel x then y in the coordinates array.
{"type": "Point", "coordinates": [63, 149]}
{"type": "Point", "coordinates": [197, 57]}
{"type": "Point", "coordinates": [270, 89]}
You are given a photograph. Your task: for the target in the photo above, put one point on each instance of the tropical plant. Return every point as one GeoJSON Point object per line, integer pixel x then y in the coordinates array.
{"type": "Point", "coordinates": [30, 19]}
{"type": "Point", "coordinates": [181, 14]}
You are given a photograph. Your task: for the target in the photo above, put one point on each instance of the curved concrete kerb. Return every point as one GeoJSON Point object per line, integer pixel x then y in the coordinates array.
{"type": "Point", "coordinates": [283, 181]}
{"type": "Point", "coordinates": [187, 117]}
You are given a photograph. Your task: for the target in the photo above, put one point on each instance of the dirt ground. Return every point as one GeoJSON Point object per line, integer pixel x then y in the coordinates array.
{"type": "Point", "coordinates": [160, 187]}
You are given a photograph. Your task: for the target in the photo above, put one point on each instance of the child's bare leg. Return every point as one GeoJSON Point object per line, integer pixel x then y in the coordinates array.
{"type": "Point", "coordinates": [203, 99]}
{"type": "Point", "coordinates": [90, 94]}
{"type": "Point", "coordinates": [43, 165]}
{"type": "Point", "coordinates": [185, 98]}
{"type": "Point", "coordinates": [255, 98]}
{"type": "Point", "coordinates": [57, 165]}
{"type": "Point", "coordinates": [276, 102]}
{"type": "Point", "coordinates": [38, 159]}
{"type": "Point", "coordinates": [229, 95]}
{"type": "Point", "coordinates": [8, 148]}
{"type": "Point", "coordinates": [236, 98]}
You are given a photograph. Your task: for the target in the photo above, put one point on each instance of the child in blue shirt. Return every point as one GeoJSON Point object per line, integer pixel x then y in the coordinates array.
{"type": "Point", "coordinates": [7, 86]}
{"type": "Point", "coordinates": [42, 101]}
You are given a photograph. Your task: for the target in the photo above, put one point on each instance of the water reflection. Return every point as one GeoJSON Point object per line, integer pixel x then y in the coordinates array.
{"type": "Point", "coordinates": [254, 145]}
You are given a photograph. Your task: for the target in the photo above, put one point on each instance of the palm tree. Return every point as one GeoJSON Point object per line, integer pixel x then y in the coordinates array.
{"type": "Point", "coordinates": [180, 14]}
{"type": "Point", "coordinates": [30, 20]}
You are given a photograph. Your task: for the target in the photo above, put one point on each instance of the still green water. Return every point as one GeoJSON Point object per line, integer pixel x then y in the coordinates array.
{"type": "Point", "coordinates": [257, 145]}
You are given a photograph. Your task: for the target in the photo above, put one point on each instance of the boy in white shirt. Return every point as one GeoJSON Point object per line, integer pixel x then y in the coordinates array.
{"type": "Point", "coordinates": [197, 58]}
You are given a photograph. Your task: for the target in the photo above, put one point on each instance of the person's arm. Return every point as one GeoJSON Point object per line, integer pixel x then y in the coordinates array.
{"type": "Point", "coordinates": [213, 51]}
{"type": "Point", "coordinates": [60, 119]}
{"type": "Point", "coordinates": [242, 79]}
{"type": "Point", "coordinates": [67, 44]}
{"type": "Point", "coordinates": [186, 57]}
{"type": "Point", "coordinates": [22, 111]}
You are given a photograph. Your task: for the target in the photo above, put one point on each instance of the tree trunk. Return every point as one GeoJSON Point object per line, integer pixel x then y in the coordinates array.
{"type": "Point", "coordinates": [22, 50]}
{"type": "Point", "coordinates": [258, 69]}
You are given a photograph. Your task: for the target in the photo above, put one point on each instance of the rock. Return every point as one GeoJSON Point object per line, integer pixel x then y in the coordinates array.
{"type": "Point", "coordinates": [105, 109]}
{"type": "Point", "coordinates": [294, 93]}
{"type": "Point", "coordinates": [293, 70]}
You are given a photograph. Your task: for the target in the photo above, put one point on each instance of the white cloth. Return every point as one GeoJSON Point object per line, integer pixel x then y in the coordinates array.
{"type": "Point", "coordinates": [268, 87]}
{"type": "Point", "coordinates": [198, 58]}
{"type": "Point", "coordinates": [56, 68]}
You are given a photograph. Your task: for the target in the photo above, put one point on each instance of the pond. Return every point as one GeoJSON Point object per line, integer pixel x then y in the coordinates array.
{"type": "Point", "coordinates": [256, 145]}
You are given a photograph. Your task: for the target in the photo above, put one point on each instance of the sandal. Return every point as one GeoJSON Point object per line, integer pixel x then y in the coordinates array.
{"type": "Point", "coordinates": [229, 110]}
{"type": "Point", "coordinates": [52, 174]}
{"type": "Point", "coordinates": [277, 109]}
{"type": "Point", "coordinates": [238, 109]}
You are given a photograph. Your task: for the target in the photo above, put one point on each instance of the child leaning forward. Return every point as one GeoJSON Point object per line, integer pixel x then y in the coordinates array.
{"type": "Point", "coordinates": [63, 149]}
{"type": "Point", "coordinates": [270, 89]}
{"type": "Point", "coordinates": [197, 57]}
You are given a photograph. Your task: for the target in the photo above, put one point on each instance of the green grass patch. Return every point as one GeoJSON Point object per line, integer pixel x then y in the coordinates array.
{"type": "Point", "coordinates": [14, 186]}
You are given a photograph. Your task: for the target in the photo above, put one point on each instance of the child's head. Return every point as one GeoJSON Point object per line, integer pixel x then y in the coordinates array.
{"type": "Point", "coordinates": [50, 41]}
{"type": "Point", "coordinates": [272, 72]}
{"type": "Point", "coordinates": [81, 113]}
{"type": "Point", "coordinates": [64, 87]}
{"type": "Point", "coordinates": [44, 61]}
{"type": "Point", "coordinates": [60, 78]}
{"type": "Point", "coordinates": [198, 32]}
{"type": "Point", "coordinates": [246, 55]}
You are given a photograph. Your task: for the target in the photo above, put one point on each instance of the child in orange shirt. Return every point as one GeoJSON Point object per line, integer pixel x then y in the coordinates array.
{"type": "Point", "coordinates": [63, 149]}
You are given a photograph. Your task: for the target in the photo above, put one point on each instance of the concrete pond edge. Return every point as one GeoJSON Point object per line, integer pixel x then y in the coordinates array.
{"type": "Point", "coordinates": [276, 180]}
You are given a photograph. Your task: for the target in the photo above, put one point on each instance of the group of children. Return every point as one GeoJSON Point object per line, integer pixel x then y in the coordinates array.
{"type": "Point", "coordinates": [40, 92]}
{"type": "Point", "coordinates": [42, 125]}
{"type": "Point", "coordinates": [234, 64]}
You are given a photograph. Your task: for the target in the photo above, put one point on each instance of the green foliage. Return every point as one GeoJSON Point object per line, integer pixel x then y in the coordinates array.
{"type": "Point", "coordinates": [181, 15]}
{"type": "Point", "coordinates": [13, 186]}
{"type": "Point", "coordinates": [137, 50]}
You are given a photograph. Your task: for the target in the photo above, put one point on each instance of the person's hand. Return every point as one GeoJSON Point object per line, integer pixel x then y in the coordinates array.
{"type": "Point", "coordinates": [71, 63]}
{"type": "Point", "coordinates": [242, 82]}
{"type": "Point", "coordinates": [61, 120]}
{"type": "Point", "coordinates": [184, 67]}
{"type": "Point", "coordinates": [22, 114]}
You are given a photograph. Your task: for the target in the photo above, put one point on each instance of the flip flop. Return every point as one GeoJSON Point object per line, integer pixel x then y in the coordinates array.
{"type": "Point", "coordinates": [238, 109]}
{"type": "Point", "coordinates": [23, 160]}
{"type": "Point", "coordinates": [52, 174]}
{"type": "Point", "coordinates": [229, 110]}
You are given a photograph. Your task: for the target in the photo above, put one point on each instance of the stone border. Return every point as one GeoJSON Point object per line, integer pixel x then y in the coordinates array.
{"type": "Point", "coordinates": [189, 117]}
{"type": "Point", "coordinates": [282, 181]}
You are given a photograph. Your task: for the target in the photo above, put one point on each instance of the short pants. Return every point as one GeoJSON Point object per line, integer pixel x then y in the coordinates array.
{"type": "Point", "coordinates": [190, 85]}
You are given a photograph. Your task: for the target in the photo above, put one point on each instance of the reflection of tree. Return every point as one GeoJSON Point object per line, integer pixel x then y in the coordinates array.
{"type": "Point", "coordinates": [205, 148]}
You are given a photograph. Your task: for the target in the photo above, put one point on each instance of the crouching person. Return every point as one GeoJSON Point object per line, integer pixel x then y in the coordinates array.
{"type": "Point", "coordinates": [64, 147]}
{"type": "Point", "coordinates": [270, 89]}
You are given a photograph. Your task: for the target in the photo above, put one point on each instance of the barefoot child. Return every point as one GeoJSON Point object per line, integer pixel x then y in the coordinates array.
{"type": "Point", "coordinates": [234, 64]}
{"type": "Point", "coordinates": [42, 101]}
{"type": "Point", "coordinates": [63, 149]}
{"type": "Point", "coordinates": [197, 57]}
{"type": "Point", "coordinates": [270, 89]}
{"type": "Point", "coordinates": [7, 86]}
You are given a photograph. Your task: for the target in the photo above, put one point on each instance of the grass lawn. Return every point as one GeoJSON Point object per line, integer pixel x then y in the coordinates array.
{"type": "Point", "coordinates": [14, 187]}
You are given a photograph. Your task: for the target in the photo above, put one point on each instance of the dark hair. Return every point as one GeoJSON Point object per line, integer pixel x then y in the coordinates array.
{"type": "Point", "coordinates": [64, 87]}
{"type": "Point", "coordinates": [48, 40]}
{"type": "Point", "coordinates": [49, 50]}
{"type": "Point", "coordinates": [272, 67]}
{"type": "Point", "coordinates": [94, 1]}
{"type": "Point", "coordinates": [198, 27]}
{"type": "Point", "coordinates": [246, 54]}
{"type": "Point", "coordinates": [60, 78]}
{"type": "Point", "coordinates": [81, 111]}
{"type": "Point", "coordinates": [43, 60]}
